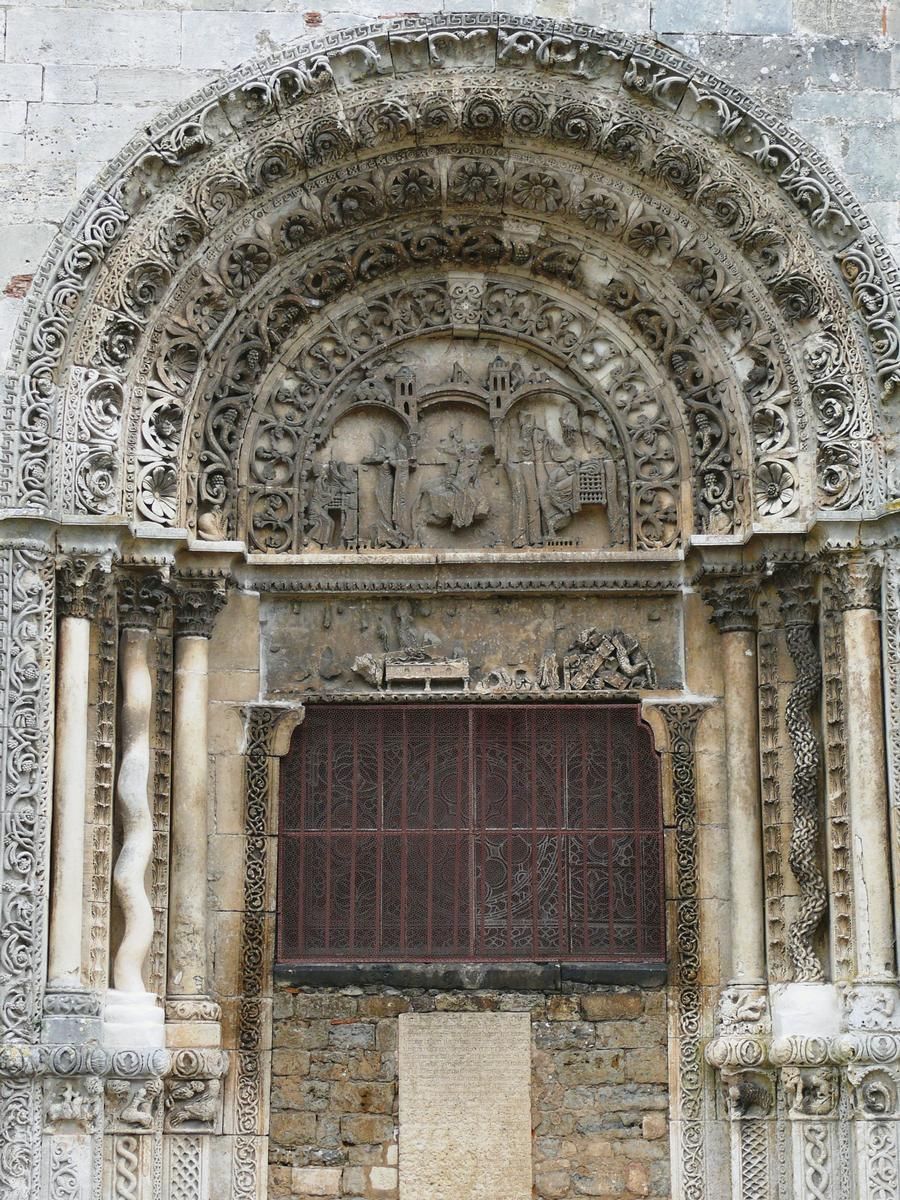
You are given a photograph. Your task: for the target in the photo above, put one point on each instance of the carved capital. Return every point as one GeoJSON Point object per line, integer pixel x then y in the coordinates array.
{"type": "Point", "coordinates": [732, 596]}
{"type": "Point", "coordinates": [748, 1094]}
{"type": "Point", "coordinates": [141, 594]}
{"type": "Point", "coordinates": [199, 597]}
{"type": "Point", "coordinates": [855, 577]}
{"type": "Point", "coordinates": [796, 584]}
{"type": "Point", "coordinates": [193, 1094]}
{"type": "Point", "coordinates": [81, 584]}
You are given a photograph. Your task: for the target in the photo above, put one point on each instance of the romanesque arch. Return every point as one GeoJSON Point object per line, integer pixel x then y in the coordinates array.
{"type": "Point", "coordinates": [481, 307]}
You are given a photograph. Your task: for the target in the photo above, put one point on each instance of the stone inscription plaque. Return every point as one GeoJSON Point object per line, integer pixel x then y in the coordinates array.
{"type": "Point", "coordinates": [465, 1106]}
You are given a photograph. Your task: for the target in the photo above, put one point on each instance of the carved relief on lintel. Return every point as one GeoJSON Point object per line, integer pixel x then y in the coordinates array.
{"type": "Point", "coordinates": [597, 661]}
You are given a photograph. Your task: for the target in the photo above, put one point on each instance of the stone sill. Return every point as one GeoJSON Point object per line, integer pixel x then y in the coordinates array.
{"type": "Point", "coordinates": [517, 977]}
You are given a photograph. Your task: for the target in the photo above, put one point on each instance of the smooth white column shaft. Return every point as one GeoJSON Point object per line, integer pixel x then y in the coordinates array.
{"type": "Point", "coordinates": [69, 799]}
{"type": "Point", "coordinates": [133, 801]}
{"type": "Point", "coordinates": [867, 795]}
{"type": "Point", "coordinates": [187, 877]}
{"type": "Point", "coordinates": [748, 953]}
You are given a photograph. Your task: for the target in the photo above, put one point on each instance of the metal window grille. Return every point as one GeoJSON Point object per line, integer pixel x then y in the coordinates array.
{"type": "Point", "coordinates": [471, 833]}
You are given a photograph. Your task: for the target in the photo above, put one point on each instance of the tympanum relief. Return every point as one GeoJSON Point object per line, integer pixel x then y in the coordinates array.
{"type": "Point", "coordinates": [451, 445]}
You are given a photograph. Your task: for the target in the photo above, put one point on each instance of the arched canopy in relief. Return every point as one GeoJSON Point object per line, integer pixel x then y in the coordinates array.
{"type": "Point", "coordinates": [406, 259]}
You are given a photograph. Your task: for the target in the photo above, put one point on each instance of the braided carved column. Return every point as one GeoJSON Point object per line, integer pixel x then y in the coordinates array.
{"type": "Point", "coordinates": [132, 1016]}
{"type": "Point", "coordinates": [796, 591]}
{"type": "Point", "coordinates": [192, 1015]}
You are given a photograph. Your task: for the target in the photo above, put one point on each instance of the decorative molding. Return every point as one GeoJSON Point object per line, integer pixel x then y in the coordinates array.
{"type": "Point", "coordinates": [838, 815]}
{"type": "Point", "coordinates": [682, 720]}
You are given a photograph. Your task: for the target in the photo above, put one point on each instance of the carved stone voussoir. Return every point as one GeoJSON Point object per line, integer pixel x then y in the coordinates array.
{"type": "Point", "coordinates": [142, 593]}
{"type": "Point", "coordinates": [732, 596]}
{"type": "Point", "coordinates": [81, 584]}
{"type": "Point", "coordinates": [855, 578]}
{"type": "Point", "coordinates": [198, 597]}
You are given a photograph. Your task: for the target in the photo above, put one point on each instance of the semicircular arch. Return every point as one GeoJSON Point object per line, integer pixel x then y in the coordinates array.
{"type": "Point", "coordinates": [663, 207]}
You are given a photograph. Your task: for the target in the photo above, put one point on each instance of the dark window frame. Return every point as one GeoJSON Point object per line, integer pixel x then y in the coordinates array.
{"type": "Point", "coordinates": [371, 962]}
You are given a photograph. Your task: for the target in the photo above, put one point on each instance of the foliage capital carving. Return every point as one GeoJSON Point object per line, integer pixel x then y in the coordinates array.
{"type": "Point", "coordinates": [796, 585]}
{"type": "Point", "coordinates": [855, 577]}
{"type": "Point", "coordinates": [732, 596]}
{"type": "Point", "coordinates": [198, 598]}
{"type": "Point", "coordinates": [81, 585]}
{"type": "Point", "coordinates": [142, 593]}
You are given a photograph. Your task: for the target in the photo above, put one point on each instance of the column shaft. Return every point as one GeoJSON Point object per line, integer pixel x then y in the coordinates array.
{"type": "Point", "coordinates": [69, 797]}
{"type": "Point", "coordinates": [188, 974]}
{"type": "Point", "coordinates": [867, 794]}
{"type": "Point", "coordinates": [744, 817]}
{"type": "Point", "coordinates": [134, 809]}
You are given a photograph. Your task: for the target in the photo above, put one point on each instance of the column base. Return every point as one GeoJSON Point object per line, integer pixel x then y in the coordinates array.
{"type": "Point", "coordinates": [133, 1019]}
{"type": "Point", "coordinates": [192, 1022]}
{"type": "Point", "coordinates": [804, 1010]}
{"type": "Point", "coordinates": [71, 1014]}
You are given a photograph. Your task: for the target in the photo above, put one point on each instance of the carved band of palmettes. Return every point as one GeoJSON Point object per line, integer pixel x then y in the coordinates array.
{"type": "Point", "coordinates": [81, 586]}
{"type": "Point", "coordinates": [596, 661]}
{"type": "Point", "coordinates": [732, 595]}
{"type": "Point", "coordinates": [198, 598]}
{"type": "Point", "coordinates": [796, 590]}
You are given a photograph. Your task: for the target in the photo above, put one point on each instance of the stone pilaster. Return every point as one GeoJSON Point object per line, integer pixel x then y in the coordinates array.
{"type": "Point", "coordinates": [192, 1015]}
{"type": "Point", "coordinates": [856, 581]}
{"type": "Point", "coordinates": [732, 596]}
{"type": "Point", "coordinates": [69, 1011]}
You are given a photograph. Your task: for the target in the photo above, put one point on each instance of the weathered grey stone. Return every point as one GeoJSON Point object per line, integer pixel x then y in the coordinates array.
{"type": "Point", "coordinates": [683, 16]}
{"type": "Point", "coordinates": [79, 35]}
{"type": "Point", "coordinates": [70, 85]}
{"type": "Point", "coordinates": [20, 81]}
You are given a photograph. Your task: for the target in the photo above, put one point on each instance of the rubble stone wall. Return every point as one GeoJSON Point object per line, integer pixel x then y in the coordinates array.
{"type": "Point", "coordinates": [599, 1089]}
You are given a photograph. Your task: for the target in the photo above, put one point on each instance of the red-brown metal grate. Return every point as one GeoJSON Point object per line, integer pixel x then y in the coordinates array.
{"type": "Point", "coordinates": [471, 833]}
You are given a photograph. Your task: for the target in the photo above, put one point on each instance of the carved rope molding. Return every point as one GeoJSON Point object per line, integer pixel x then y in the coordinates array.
{"type": "Point", "coordinates": [222, 111]}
